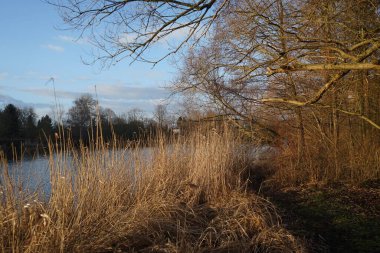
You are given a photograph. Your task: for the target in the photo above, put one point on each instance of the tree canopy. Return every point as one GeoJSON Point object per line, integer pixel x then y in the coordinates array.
{"type": "Point", "coordinates": [243, 46]}
{"type": "Point", "coordinates": [306, 71]}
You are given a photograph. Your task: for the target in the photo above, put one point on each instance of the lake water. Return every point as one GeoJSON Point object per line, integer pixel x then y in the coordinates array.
{"type": "Point", "coordinates": [34, 174]}
{"type": "Point", "coordinates": [29, 175]}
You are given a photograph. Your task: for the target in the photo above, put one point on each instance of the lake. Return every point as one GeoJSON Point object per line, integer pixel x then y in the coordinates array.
{"type": "Point", "coordinates": [30, 174]}
{"type": "Point", "coordinates": [33, 174]}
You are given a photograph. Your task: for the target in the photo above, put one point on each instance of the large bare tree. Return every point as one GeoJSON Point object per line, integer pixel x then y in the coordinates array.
{"type": "Point", "coordinates": [250, 43]}
{"type": "Point", "coordinates": [127, 28]}
{"type": "Point", "coordinates": [272, 42]}
{"type": "Point", "coordinates": [307, 70]}
{"type": "Point", "coordinates": [310, 65]}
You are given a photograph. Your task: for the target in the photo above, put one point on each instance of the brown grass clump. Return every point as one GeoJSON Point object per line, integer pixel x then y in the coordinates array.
{"type": "Point", "coordinates": [183, 195]}
{"type": "Point", "coordinates": [319, 162]}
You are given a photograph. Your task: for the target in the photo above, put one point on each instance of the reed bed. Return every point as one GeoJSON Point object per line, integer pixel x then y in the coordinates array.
{"type": "Point", "coordinates": [185, 194]}
{"type": "Point", "coordinates": [320, 163]}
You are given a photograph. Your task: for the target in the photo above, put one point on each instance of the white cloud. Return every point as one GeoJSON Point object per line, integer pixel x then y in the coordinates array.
{"type": "Point", "coordinates": [4, 100]}
{"type": "Point", "coordinates": [115, 93]}
{"type": "Point", "coordinates": [55, 48]}
{"type": "Point", "coordinates": [179, 34]}
{"type": "Point", "coordinates": [73, 40]}
{"type": "Point", "coordinates": [126, 38]}
{"type": "Point", "coordinates": [3, 75]}
{"type": "Point", "coordinates": [34, 75]}
{"type": "Point", "coordinates": [175, 36]}
{"type": "Point", "coordinates": [118, 97]}
{"type": "Point", "coordinates": [49, 92]}
{"type": "Point", "coordinates": [123, 92]}
{"type": "Point", "coordinates": [66, 38]}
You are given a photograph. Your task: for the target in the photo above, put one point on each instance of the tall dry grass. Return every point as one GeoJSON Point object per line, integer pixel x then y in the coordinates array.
{"type": "Point", "coordinates": [183, 195]}
{"type": "Point", "coordinates": [321, 162]}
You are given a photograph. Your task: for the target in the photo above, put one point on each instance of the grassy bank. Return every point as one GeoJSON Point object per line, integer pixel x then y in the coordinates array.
{"type": "Point", "coordinates": [335, 215]}
{"type": "Point", "coordinates": [333, 218]}
{"type": "Point", "coordinates": [327, 192]}
{"type": "Point", "coordinates": [184, 195]}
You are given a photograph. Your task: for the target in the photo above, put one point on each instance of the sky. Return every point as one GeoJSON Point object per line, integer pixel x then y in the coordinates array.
{"type": "Point", "coordinates": [34, 48]}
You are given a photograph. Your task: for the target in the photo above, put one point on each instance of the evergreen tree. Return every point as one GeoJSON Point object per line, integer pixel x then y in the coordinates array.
{"type": "Point", "coordinates": [10, 122]}
{"type": "Point", "coordinates": [45, 126]}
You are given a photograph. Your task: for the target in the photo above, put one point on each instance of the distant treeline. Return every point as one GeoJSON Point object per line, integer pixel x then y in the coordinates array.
{"type": "Point", "coordinates": [21, 127]}
{"type": "Point", "coordinates": [21, 130]}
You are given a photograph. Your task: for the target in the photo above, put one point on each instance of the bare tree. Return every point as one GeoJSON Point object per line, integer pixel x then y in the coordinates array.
{"type": "Point", "coordinates": [161, 115]}
{"type": "Point", "coordinates": [252, 43]}
{"type": "Point", "coordinates": [305, 69]}
{"type": "Point", "coordinates": [264, 51]}
{"type": "Point", "coordinates": [135, 114]}
{"type": "Point", "coordinates": [128, 28]}
{"type": "Point", "coordinates": [83, 112]}
{"type": "Point", "coordinates": [107, 115]}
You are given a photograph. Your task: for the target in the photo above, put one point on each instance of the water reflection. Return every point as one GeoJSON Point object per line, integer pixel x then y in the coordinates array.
{"type": "Point", "coordinates": [32, 175]}
{"type": "Point", "coordinates": [29, 175]}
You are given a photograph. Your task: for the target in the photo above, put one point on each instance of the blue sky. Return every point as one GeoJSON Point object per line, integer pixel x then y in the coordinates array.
{"type": "Point", "coordinates": [34, 49]}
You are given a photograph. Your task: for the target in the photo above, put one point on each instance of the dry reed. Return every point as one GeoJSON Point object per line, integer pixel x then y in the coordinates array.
{"type": "Point", "coordinates": [319, 164]}
{"type": "Point", "coordinates": [183, 195]}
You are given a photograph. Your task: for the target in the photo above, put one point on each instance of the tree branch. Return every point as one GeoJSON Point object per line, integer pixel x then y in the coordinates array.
{"type": "Point", "coordinates": [313, 67]}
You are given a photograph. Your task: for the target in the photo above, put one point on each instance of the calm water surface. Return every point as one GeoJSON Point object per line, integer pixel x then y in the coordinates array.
{"type": "Point", "coordinates": [33, 174]}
